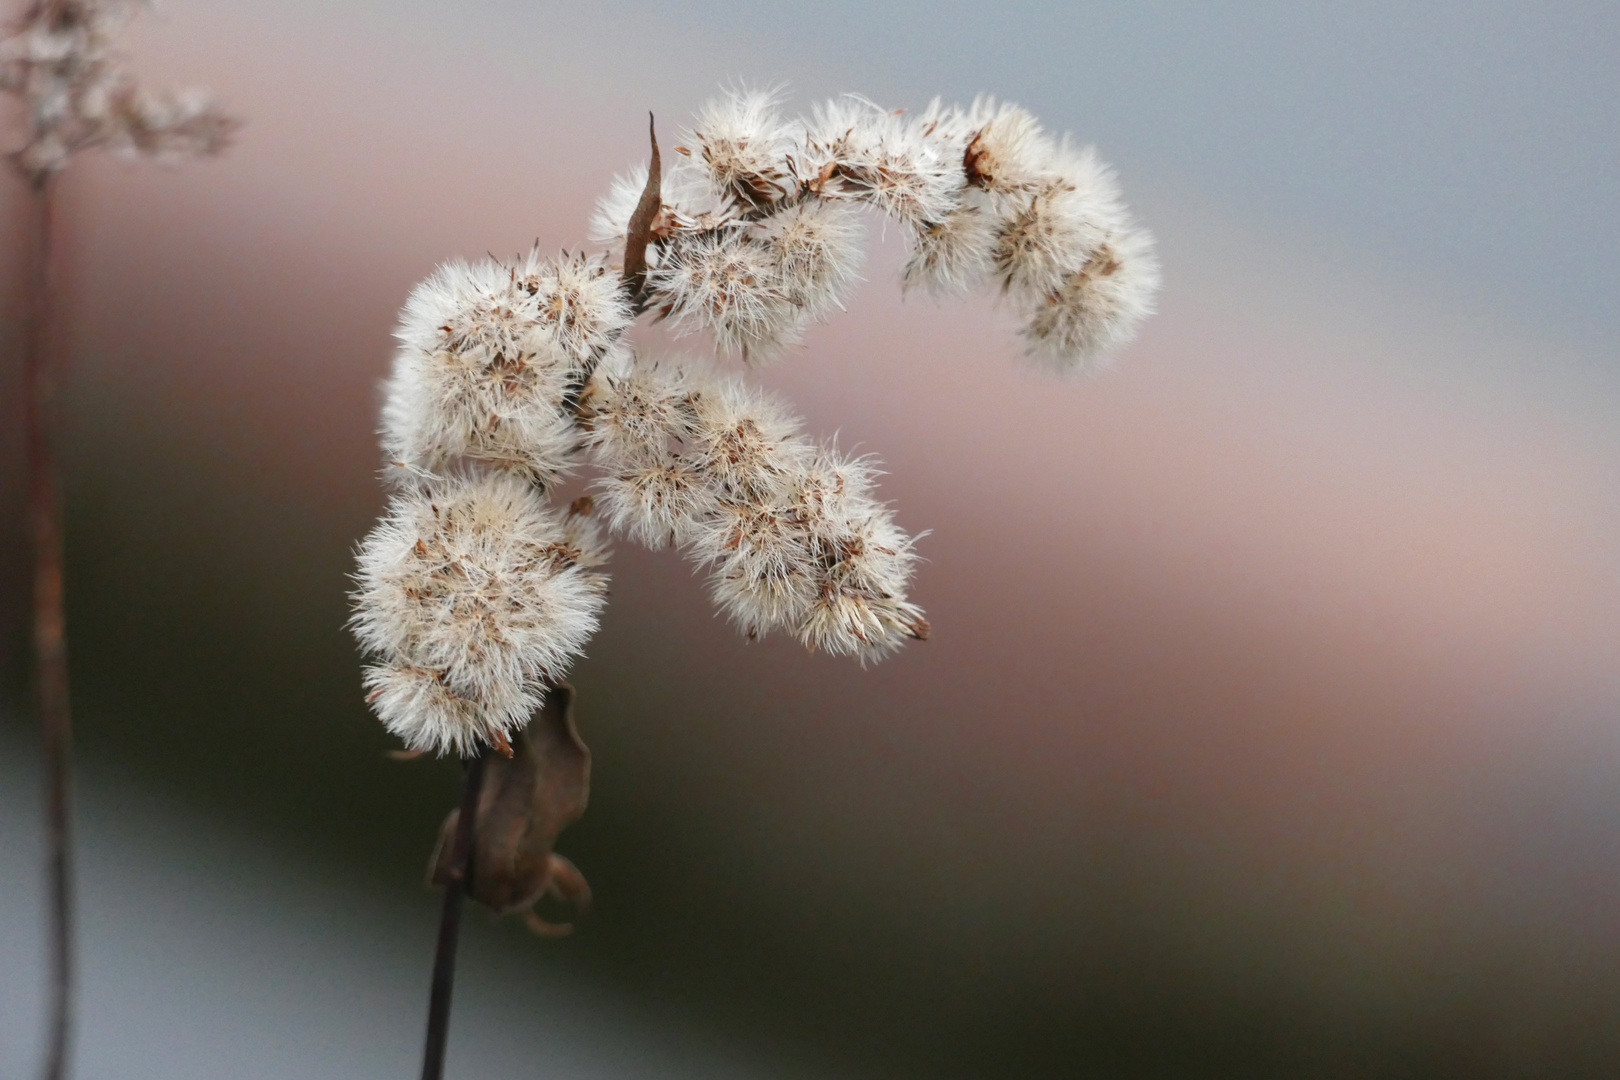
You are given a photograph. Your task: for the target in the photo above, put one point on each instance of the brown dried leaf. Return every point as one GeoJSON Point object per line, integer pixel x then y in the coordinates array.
{"type": "Point", "coordinates": [526, 801]}
{"type": "Point", "coordinates": [640, 229]}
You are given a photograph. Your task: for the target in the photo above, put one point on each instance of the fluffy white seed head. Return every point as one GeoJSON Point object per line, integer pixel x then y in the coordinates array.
{"type": "Point", "coordinates": [953, 255]}
{"type": "Point", "coordinates": [828, 489]}
{"type": "Point", "coordinates": [763, 573]}
{"type": "Point", "coordinates": [819, 247]}
{"type": "Point", "coordinates": [637, 408]}
{"type": "Point", "coordinates": [481, 372]}
{"type": "Point", "coordinates": [1005, 151]}
{"type": "Point", "coordinates": [854, 149]}
{"type": "Point", "coordinates": [742, 144]}
{"type": "Point", "coordinates": [470, 584]}
{"type": "Point", "coordinates": [583, 537]}
{"type": "Point", "coordinates": [745, 442]}
{"type": "Point", "coordinates": [417, 704]}
{"type": "Point", "coordinates": [731, 285]}
{"type": "Point", "coordinates": [578, 303]}
{"type": "Point", "coordinates": [1096, 308]}
{"type": "Point", "coordinates": [864, 565]}
{"type": "Point", "coordinates": [655, 500]}
{"type": "Point", "coordinates": [1052, 233]}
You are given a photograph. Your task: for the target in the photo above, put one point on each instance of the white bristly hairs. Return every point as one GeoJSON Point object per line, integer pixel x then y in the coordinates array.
{"type": "Point", "coordinates": [473, 596]}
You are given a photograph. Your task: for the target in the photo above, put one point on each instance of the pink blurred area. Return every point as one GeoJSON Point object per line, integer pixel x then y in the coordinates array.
{"type": "Point", "coordinates": [1285, 650]}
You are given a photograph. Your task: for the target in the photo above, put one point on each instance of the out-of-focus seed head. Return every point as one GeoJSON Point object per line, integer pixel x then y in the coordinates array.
{"type": "Point", "coordinates": [60, 61]}
{"type": "Point", "coordinates": [1096, 308]}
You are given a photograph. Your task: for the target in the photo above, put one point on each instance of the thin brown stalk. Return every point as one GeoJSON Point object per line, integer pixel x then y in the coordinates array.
{"type": "Point", "coordinates": [444, 955]}
{"type": "Point", "coordinates": [50, 636]}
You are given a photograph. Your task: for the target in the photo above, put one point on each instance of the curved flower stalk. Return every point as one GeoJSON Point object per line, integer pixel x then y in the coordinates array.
{"type": "Point", "coordinates": [474, 596]}
{"type": "Point", "coordinates": [58, 60]}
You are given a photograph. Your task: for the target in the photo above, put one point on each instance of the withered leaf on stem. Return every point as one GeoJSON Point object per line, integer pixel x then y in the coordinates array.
{"type": "Point", "coordinates": [639, 232]}
{"type": "Point", "coordinates": [526, 801]}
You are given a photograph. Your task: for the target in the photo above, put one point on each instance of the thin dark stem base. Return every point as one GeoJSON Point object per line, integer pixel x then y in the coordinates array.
{"type": "Point", "coordinates": [444, 956]}
{"type": "Point", "coordinates": [49, 631]}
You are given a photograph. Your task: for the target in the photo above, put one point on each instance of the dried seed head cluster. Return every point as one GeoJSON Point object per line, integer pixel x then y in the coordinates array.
{"type": "Point", "coordinates": [474, 596]}
{"type": "Point", "coordinates": [60, 61]}
{"type": "Point", "coordinates": [756, 237]}
{"type": "Point", "coordinates": [790, 531]}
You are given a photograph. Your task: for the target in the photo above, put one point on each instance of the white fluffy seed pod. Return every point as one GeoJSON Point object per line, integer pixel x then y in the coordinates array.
{"type": "Point", "coordinates": [480, 374]}
{"type": "Point", "coordinates": [655, 500]}
{"type": "Point", "coordinates": [638, 408]}
{"type": "Point", "coordinates": [1051, 234]}
{"type": "Point", "coordinates": [763, 574]}
{"type": "Point", "coordinates": [470, 583]}
{"type": "Point", "coordinates": [578, 302]}
{"type": "Point", "coordinates": [1096, 308]}
{"type": "Point", "coordinates": [855, 149]}
{"type": "Point", "coordinates": [742, 145]}
{"type": "Point", "coordinates": [745, 442]}
{"type": "Point", "coordinates": [1005, 151]}
{"type": "Point", "coordinates": [819, 247]}
{"type": "Point", "coordinates": [864, 564]}
{"type": "Point", "coordinates": [418, 705]}
{"type": "Point", "coordinates": [731, 285]}
{"type": "Point", "coordinates": [954, 255]}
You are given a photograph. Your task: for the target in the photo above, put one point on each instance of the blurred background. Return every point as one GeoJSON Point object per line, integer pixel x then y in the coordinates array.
{"type": "Point", "coordinates": [1271, 722]}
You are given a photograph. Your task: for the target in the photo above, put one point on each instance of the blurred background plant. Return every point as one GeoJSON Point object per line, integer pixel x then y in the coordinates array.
{"type": "Point", "coordinates": [1274, 733]}
{"type": "Point", "coordinates": [58, 62]}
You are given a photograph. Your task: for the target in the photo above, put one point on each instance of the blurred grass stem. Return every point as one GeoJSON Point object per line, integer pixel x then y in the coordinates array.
{"type": "Point", "coordinates": [444, 956]}
{"type": "Point", "coordinates": [50, 635]}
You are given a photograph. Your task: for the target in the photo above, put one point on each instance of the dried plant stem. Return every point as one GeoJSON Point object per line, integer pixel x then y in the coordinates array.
{"type": "Point", "coordinates": [444, 956]}
{"type": "Point", "coordinates": [50, 638]}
